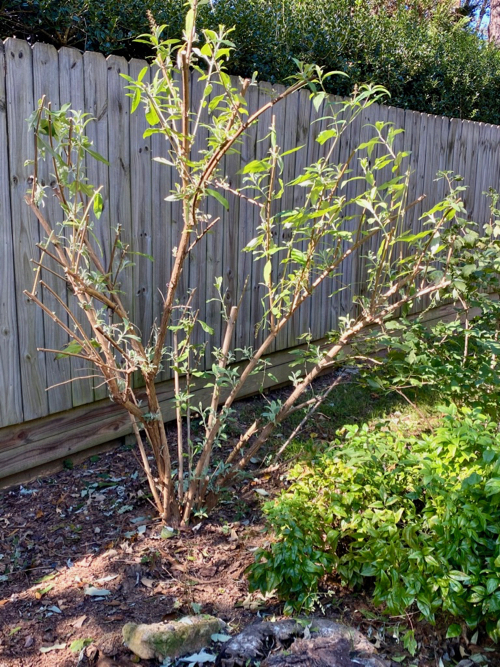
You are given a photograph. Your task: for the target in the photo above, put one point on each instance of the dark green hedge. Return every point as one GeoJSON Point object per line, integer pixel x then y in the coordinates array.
{"type": "Point", "coordinates": [429, 61]}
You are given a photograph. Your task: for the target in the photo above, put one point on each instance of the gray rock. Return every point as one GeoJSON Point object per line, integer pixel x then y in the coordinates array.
{"type": "Point", "coordinates": [172, 639]}
{"type": "Point", "coordinates": [313, 642]}
{"type": "Point", "coordinates": [322, 652]}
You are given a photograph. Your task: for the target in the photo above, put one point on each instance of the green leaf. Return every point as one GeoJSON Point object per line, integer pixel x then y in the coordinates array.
{"type": "Point", "coordinates": [267, 272]}
{"type": "Point", "coordinates": [206, 328]}
{"type": "Point", "coordinates": [142, 73]}
{"type": "Point", "coordinates": [409, 642]}
{"type": "Point", "coordinates": [135, 100]}
{"type": "Point", "coordinates": [47, 577]}
{"type": "Point", "coordinates": [292, 150]}
{"type": "Point", "coordinates": [72, 348]}
{"type": "Point", "coordinates": [152, 116]}
{"type": "Point", "coordinates": [492, 486]}
{"type": "Point", "coordinates": [214, 102]}
{"type": "Point", "coordinates": [454, 630]}
{"type": "Point", "coordinates": [98, 205]}
{"type": "Point", "coordinates": [394, 325]}
{"type": "Point", "coordinates": [325, 135]}
{"type": "Point", "coordinates": [255, 167]}
{"type": "Point", "coordinates": [80, 644]}
{"type": "Point", "coordinates": [298, 256]}
{"type": "Point", "coordinates": [317, 100]}
{"type": "Point", "coordinates": [189, 22]}
{"type": "Point", "coordinates": [96, 156]}
{"type": "Point", "coordinates": [163, 160]}
{"type": "Point", "coordinates": [217, 195]}
{"type": "Point", "coordinates": [54, 647]}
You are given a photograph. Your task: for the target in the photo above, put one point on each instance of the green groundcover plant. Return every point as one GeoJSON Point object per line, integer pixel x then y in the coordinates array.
{"type": "Point", "coordinates": [416, 519]}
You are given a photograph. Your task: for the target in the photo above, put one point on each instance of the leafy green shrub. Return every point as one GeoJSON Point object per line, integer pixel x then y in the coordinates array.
{"type": "Point", "coordinates": [457, 359]}
{"type": "Point", "coordinates": [417, 518]}
{"type": "Point", "coordinates": [448, 358]}
{"type": "Point", "coordinates": [425, 54]}
{"type": "Point", "coordinates": [94, 25]}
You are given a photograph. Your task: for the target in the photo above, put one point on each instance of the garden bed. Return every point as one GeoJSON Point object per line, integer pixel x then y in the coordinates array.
{"type": "Point", "coordinates": [91, 526]}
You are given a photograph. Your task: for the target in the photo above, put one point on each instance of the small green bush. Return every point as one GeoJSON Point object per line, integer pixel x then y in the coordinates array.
{"type": "Point", "coordinates": [448, 359]}
{"type": "Point", "coordinates": [458, 358]}
{"type": "Point", "coordinates": [418, 519]}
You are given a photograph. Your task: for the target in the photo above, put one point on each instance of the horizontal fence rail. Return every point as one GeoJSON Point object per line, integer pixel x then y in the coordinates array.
{"type": "Point", "coordinates": [134, 192]}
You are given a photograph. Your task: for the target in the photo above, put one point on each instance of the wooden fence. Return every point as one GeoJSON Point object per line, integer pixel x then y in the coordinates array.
{"type": "Point", "coordinates": [134, 191]}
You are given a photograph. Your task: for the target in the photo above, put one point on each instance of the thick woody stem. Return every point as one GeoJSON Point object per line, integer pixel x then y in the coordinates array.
{"type": "Point", "coordinates": [327, 359]}
{"type": "Point", "coordinates": [146, 466]}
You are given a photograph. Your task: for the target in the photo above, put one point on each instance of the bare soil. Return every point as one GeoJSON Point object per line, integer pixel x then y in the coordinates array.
{"type": "Point", "coordinates": [91, 527]}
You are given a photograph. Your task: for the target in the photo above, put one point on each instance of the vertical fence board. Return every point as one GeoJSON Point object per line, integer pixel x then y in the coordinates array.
{"type": "Point", "coordinates": [288, 143]}
{"type": "Point", "coordinates": [301, 323]}
{"type": "Point", "coordinates": [481, 212]}
{"type": "Point", "coordinates": [493, 170]}
{"type": "Point", "coordinates": [11, 408]}
{"type": "Point", "coordinates": [161, 224]}
{"type": "Point", "coordinates": [46, 84]}
{"type": "Point", "coordinates": [197, 267]}
{"type": "Point", "coordinates": [119, 177]}
{"type": "Point", "coordinates": [258, 289]}
{"type": "Point", "coordinates": [141, 212]}
{"type": "Point", "coordinates": [96, 104]}
{"type": "Point", "coordinates": [20, 105]}
{"type": "Point", "coordinates": [249, 220]}
{"type": "Point", "coordinates": [303, 136]}
{"type": "Point", "coordinates": [213, 261]}
{"type": "Point", "coordinates": [71, 91]}
{"type": "Point", "coordinates": [279, 115]}
{"type": "Point", "coordinates": [471, 167]}
{"type": "Point", "coordinates": [119, 171]}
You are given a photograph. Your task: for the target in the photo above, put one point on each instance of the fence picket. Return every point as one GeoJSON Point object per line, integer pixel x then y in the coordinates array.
{"type": "Point", "coordinates": [71, 91]}
{"type": "Point", "coordinates": [26, 234]}
{"type": "Point", "coordinates": [11, 408]}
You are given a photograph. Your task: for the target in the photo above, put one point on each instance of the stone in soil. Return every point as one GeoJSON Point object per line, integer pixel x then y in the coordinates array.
{"type": "Point", "coordinates": [308, 643]}
{"type": "Point", "coordinates": [172, 639]}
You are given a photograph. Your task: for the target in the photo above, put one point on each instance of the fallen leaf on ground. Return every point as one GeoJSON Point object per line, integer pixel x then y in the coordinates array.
{"type": "Point", "coordinates": [92, 590]}
{"type": "Point", "coordinates": [78, 622]}
{"type": "Point", "coordinates": [217, 637]}
{"type": "Point", "coordinates": [202, 656]}
{"type": "Point", "coordinates": [167, 532]}
{"type": "Point", "coordinates": [110, 577]}
{"type": "Point", "coordinates": [145, 581]}
{"type": "Point", "coordinates": [55, 609]}
{"type": "Point", "coordinates": [80, 644]}
{"type": "Point", "coordinates": [55, 647]}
